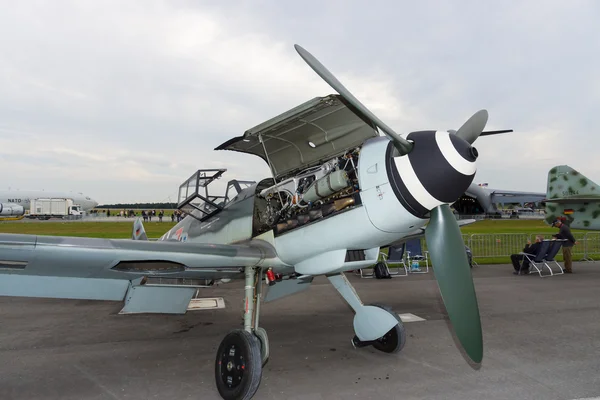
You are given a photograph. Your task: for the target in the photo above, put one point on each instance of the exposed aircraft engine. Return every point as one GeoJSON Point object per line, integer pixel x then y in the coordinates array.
{"type": "Point", "coordinates": [307, 195]}
{"type": "Point", "coordinates": [294, 186]}
{"type": "Point", "coordinates": [8, 209]}
{"type": "Point", "coordinates": [326, 186]}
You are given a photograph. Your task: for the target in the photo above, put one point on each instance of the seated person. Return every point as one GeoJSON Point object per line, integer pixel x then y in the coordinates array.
{"type": "Point", "coordinates": [529, 249]}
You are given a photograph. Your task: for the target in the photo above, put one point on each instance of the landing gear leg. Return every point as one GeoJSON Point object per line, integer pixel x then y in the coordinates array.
{"type": "Point", "coordinates": [375, 325]}
{"type": "Point", "coordinates": [243, 352]}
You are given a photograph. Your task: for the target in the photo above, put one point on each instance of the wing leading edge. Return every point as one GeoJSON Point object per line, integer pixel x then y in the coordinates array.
{"type": "Point", "coordinates": [104, 269]}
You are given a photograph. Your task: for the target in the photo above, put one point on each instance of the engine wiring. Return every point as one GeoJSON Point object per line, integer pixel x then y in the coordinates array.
{"type": "Point", "coordinates": [299, 197]}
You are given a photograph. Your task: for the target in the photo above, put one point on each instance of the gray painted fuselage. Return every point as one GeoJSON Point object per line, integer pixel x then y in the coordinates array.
{"type": "Point", "coordinates": [321, 245]}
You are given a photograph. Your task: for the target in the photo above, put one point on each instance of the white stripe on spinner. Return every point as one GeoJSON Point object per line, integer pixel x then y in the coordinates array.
{"type": "Point", "coordinates": [414, 185]}
{"type": "Point", "coordinates": [449, 152]}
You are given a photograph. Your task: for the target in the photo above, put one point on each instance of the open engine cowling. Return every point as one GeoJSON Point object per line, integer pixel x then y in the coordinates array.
{"type": "Point", "coordinates": [11, 210]}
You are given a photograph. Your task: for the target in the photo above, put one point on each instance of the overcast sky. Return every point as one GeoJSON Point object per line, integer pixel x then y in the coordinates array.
{"type": "Point", "coordinates": [124, 100]}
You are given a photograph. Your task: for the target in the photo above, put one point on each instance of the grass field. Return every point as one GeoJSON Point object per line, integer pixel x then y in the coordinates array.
{"type": "Point", "coordinates": [156, 229]}
{"type": "Point", "coordinates": [528, 226]}
{"type": "Point", "coordinates": [115, 230]}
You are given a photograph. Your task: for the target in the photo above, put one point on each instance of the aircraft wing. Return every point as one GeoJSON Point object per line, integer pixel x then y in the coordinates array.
{"type": "Point", "coordinates": [463, 222]}
{"type": "Point", "coordinates": [574, 200]}
{"type": "Point", "coordinates": [105, 269]}
{"type": "Point", "coordinates": [515, 193]}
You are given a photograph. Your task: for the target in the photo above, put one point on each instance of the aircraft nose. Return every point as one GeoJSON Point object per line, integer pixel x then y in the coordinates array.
{"type": "Point", "coordinates": [437, 171]}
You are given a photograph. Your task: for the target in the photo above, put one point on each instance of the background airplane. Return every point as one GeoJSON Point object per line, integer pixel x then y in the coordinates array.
{"type": "Point", "coordinates": [482, 200]}
{"type": "Point", "coordinates": [574, 197]}
{"type": "Point", "coordinates": [17, 202]}
{"type": "Point", "coordinates": [339, 192]}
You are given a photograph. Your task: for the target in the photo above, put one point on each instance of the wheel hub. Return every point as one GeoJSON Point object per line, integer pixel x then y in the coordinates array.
{"type": "Point", "coordinates": [233, 360]}
{"type": "Point", "coordinates": [384, 338]}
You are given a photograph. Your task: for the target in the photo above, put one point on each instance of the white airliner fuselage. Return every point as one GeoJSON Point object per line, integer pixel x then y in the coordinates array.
{"type": "Point", "coordinates": [23, 198]}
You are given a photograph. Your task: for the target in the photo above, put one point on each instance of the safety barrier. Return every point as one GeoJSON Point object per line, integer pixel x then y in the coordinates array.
{"type": "Point", "coordinates": [591, 246]}
{"type": "Point", "coordinates": [487, 245]}
{"type": "Point", "coordinates": [578, 252]}
{"type": "Point", "coordinates": [500, 245]}
{"type": "Point", "coordinates": [490, 245]}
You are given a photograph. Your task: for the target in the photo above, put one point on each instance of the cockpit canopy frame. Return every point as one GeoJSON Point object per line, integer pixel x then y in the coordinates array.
{"type": "Point", "coordinates": [194, 198]}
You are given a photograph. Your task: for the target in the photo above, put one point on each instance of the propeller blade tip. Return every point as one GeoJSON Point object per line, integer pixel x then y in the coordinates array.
{"type": "Point", "coordinates": [300, 50]}
{"type": "Point", "coordinates": [484, 114]}
{"type": "Point", "coordinates": [476, 355]}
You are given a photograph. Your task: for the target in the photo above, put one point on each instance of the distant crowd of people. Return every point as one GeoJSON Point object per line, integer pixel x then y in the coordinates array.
{"type": "Point", "coordinates": [147, 215]}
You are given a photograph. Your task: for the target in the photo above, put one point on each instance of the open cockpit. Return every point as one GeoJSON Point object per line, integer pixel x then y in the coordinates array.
{"type": "Point", "coordinates": [197, 200]}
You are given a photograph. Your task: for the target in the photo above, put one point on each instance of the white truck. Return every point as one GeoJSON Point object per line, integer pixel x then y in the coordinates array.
{"type": "Point", "coordinates": [46, 208]}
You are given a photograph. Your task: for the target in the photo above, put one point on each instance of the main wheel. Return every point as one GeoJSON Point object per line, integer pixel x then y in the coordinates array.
{"type": "Point", "coordinates": [394, 340]}
{"type": "Point", "coordinates": [238, 366]}
{"type": "Point", "coordinates": [261, 335]}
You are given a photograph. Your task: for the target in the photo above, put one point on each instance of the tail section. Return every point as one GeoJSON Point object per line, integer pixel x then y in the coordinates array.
{"type": "Point", "coordinates": [573, 197]}
{"type": "Point", "coordinates": [139, 233]}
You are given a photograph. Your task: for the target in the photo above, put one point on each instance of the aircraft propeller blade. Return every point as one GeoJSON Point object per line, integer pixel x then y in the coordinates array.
{"type": "Point", "coordinates": [471, 129]}
{"type": "Point", "coordinates": [402, 145]}
{"type": "Point", "coordinates": [485, 133]}
{"type": "Point", "coordinates": [453, 274]}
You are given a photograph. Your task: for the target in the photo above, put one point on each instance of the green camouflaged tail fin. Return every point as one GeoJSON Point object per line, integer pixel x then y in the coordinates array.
{"type": "Point", "coordinates": [574, 196]}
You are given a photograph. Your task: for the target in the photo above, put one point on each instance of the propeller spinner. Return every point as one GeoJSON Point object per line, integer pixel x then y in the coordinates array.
{"type": "Point", "coordinates": [447, 176]}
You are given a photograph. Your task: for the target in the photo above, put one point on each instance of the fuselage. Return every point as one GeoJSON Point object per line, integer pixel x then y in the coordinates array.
{"type": "Point", "coordinates": [23, 198]}
{"type": "Point", "coordinates": [396, 195]}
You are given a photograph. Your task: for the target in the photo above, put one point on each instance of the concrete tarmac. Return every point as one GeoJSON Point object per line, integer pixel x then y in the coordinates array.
{"type": "Point", "coordinates": [541, 341]}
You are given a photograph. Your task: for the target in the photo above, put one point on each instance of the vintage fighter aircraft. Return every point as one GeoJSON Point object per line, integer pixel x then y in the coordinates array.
{"type": "Point", "coordinates": [339, 191]}
{"type": "Point", "coordinates": [572, 197]}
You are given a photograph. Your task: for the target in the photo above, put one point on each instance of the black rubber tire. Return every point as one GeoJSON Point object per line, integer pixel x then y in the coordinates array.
{"type": "Point", "coordinates": [238, 366]}
{"type": "Point", "coordinates": [395, 339]}
{"type": "Point", "coordinates": [260, 340]}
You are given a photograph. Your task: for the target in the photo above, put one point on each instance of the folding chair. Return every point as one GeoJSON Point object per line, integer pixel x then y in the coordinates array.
{"type": "Point", "coordinates": [361, 272]}
{"type": "Point", "coordinates": [552, 252]}
{"type": "Point", "coordinates": [395, 256]}
{"type": "Point", "coordinates": [547, 252]}
{"type": "Point", "coordinates": [414, 253]}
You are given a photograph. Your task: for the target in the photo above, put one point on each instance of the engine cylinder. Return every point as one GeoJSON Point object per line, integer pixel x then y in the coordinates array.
{"type": "Point", "coordinates": [326, 186]}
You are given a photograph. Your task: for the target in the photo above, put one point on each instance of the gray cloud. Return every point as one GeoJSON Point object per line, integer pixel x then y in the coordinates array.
{"type": "Point", "coordinates": [124, 102]}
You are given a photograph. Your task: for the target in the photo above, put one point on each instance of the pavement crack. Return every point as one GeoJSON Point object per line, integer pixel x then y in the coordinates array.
{"type": "Point", "coordinates": [91, 378]}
